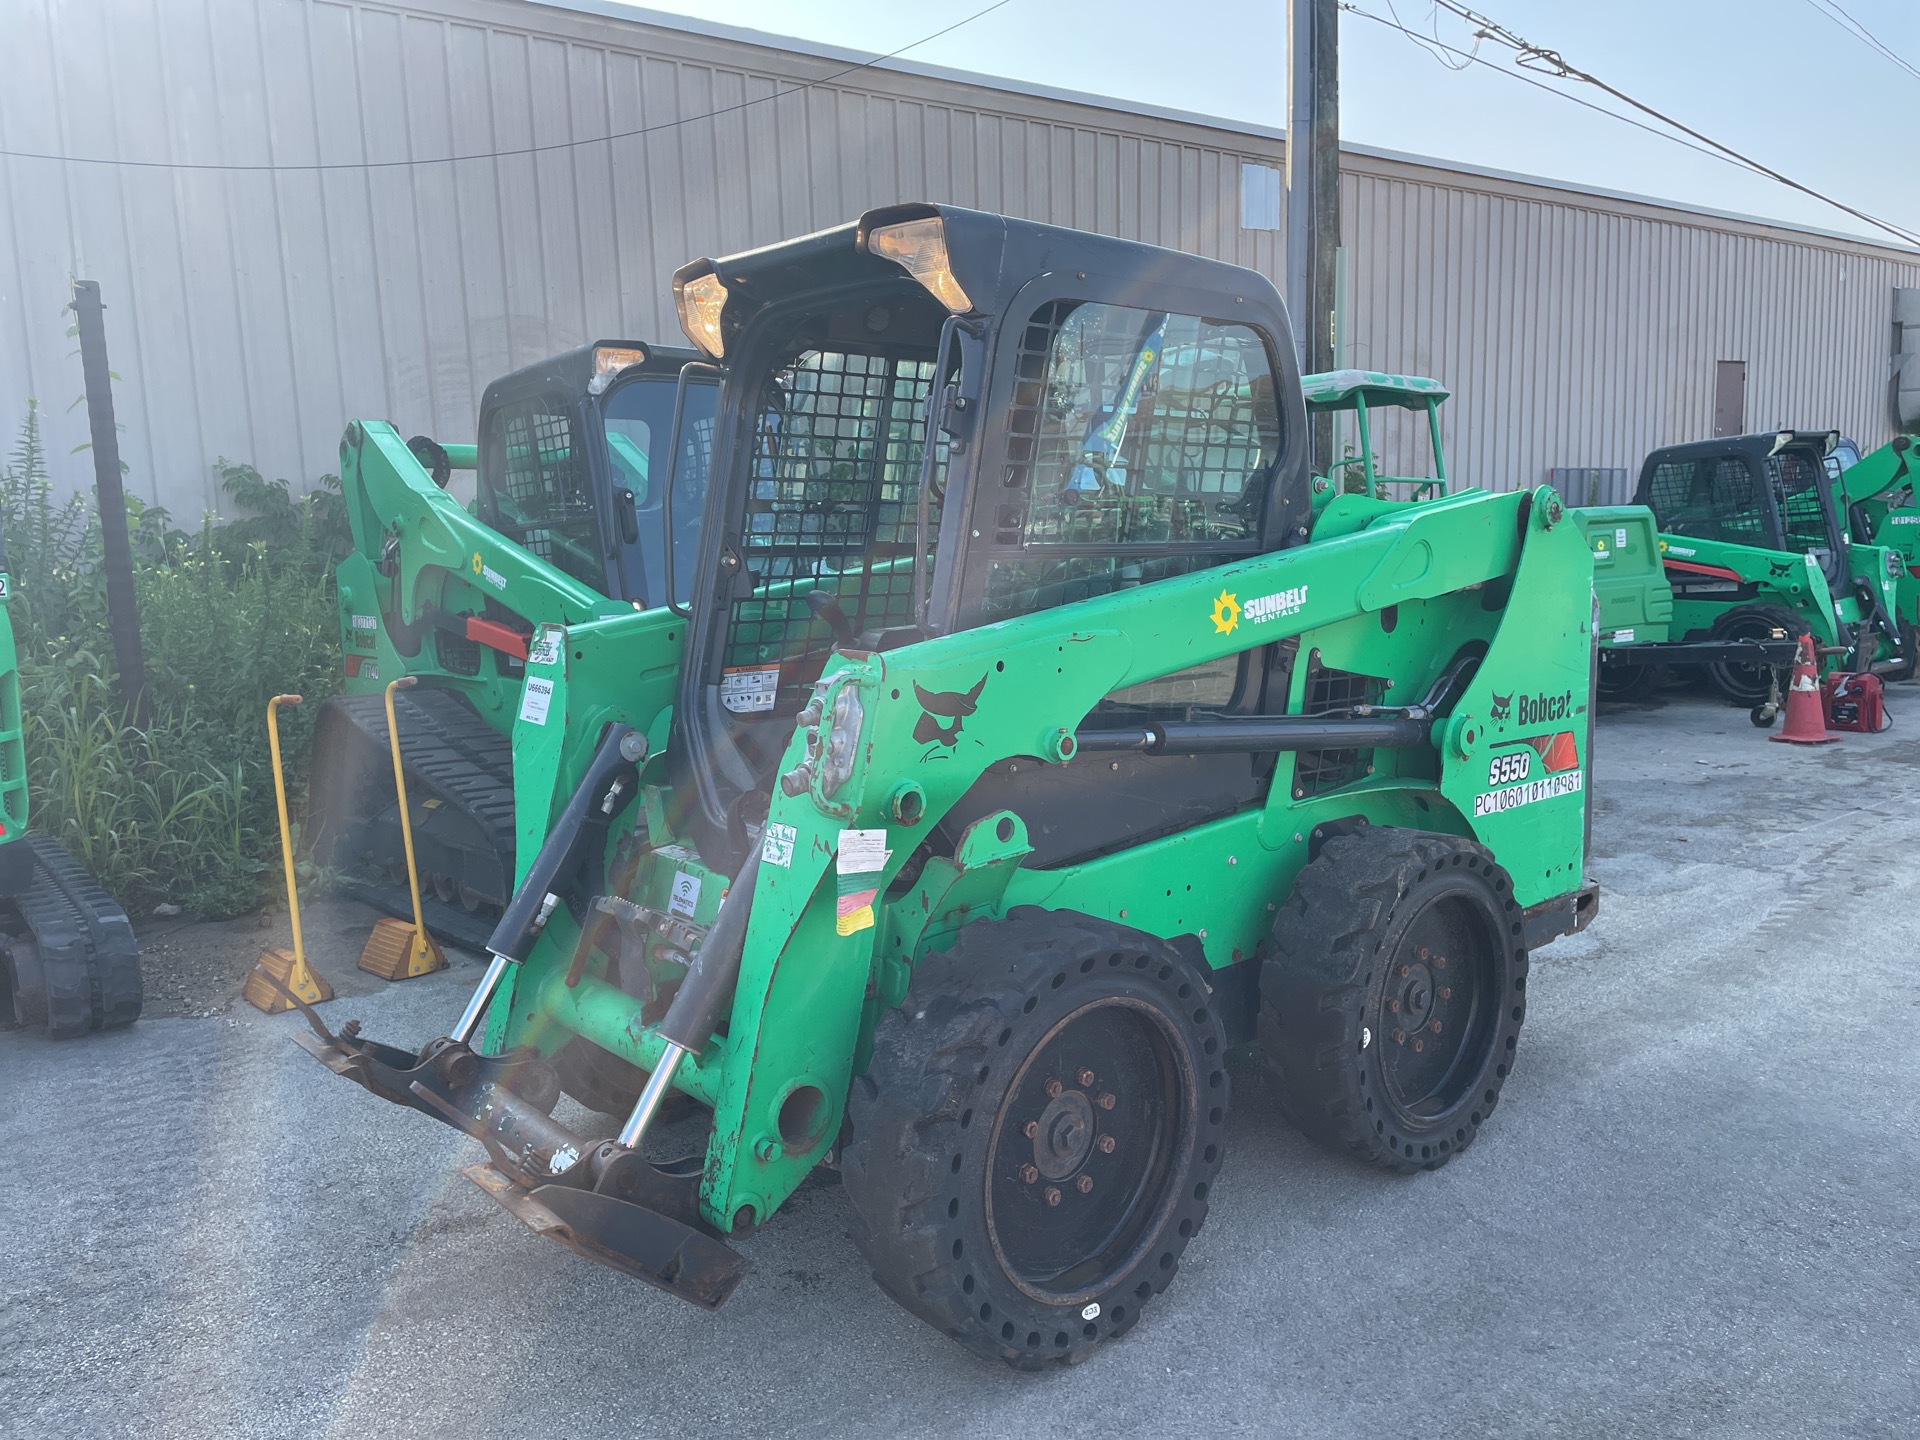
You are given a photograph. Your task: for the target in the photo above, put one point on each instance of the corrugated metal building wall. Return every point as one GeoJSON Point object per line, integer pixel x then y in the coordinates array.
{"type": "Point", "coordinates": [254, 310]}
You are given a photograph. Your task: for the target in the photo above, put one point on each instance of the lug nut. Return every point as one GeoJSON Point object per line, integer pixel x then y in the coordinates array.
{"type": "Point", "coordinates": [1419, 1044]}
{"type": "Point", "coordinates": [1105, 1142]}
{"type": "Point", "coordinates": [1029, 1175]}
{"type": "Point", "coordinates": [1104, 1100]}
{"type": "Point", "coordinates": [1086, 1077]}
{"type": "Point", "coordinates": [1406, 969]}
{"type": "Point", "coordinates": [1435, 1027]}
{"type": "Point", "coordinates": [1083, 1184]}
{"type": "Point", "coordinates": [1054, 1087]}
{"type": "Point", "coordinates": [1053, 1194]}
{"type": "Point", "coordinates": [1394, 1005]}
{"type": "Point", "coordinates": [1031, 1129]}
{"type": "Point", "coordinates": [1446, 992]}
{"type": "Point", "coordinates": [1399, 1037]}
{"type": "Point", "coordinates": [1440, 962]}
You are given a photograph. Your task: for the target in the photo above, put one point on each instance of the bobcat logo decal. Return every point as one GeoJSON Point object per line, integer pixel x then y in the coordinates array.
{"type": "Point", "coordinates": [1501, 708]}
{"type": "Point", "coordinates": [940, 706]}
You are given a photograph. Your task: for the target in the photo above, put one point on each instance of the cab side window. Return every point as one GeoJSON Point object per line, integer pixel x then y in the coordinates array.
{"type": "Point", "coordinates": [1140, 446]}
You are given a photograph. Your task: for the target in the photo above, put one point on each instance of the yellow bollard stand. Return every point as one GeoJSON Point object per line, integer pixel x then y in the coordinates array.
{"type": "Point", "coordinates": [288, 967]}
{"type": "Point", "coordinates": [397, 950]}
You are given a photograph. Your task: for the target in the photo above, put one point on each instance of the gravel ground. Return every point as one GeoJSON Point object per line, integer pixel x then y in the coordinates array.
{"type": "Point", "coordinates": [1695, 1212]}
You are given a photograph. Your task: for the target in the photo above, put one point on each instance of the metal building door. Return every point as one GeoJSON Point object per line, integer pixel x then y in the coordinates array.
{"type": "Point", "coordinates": [1729, 398]}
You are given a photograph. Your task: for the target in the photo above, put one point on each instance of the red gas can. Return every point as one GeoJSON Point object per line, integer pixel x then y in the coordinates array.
{"type": "Point", "coordinates": [1854, 702]}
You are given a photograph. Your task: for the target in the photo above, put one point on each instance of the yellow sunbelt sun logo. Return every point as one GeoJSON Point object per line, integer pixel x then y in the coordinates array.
{"type": "Point", "coordinates": [478, 563]}
{"type": "Point", "coordinates": [1226, 613]}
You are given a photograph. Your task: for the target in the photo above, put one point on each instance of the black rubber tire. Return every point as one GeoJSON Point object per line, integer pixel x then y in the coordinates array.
{"type": "Point", "coordinates": [1624, 682]}
{"type": "Point", "coordinates": [927, 1118]}
{"type": "Point", "coordinates": [1747, 685]}
{"type": "Point", "coordinates": [601, 1081]}
{"type": "Point", "coordinates": [1910, 654]}
{"type": "Point", "coordinates": [1326, 1031]}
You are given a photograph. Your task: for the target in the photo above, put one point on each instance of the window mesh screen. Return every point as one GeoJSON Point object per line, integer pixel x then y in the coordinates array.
{"type": "Point", "coordinates": [1799, 477]}
{"type": "Point", "coordinates": [1710, 499]}
{"type": "Point", "coordinates": [1329, 692]}
{"type": "Point", "coordinates": [540, 497]}
{"type": "Point", "coordinates": [832, 504]}
{"type": "Point", "coordinates": [1129, 428]}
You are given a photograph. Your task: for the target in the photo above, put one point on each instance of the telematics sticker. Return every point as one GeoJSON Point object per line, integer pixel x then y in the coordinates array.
{"type": "Point", "coordinates": [684, 898]}
{"type": "Point", "coordinates": [747, 689]}
{"type": "Point", "coordinates": [364, 622]}
{"type": "Point", "coordinates": [1514, 796]}
{"type": "Point", "coordinates": [536, 700]}
{"type": "Point", "coordinates": [1622, 637]}
{"type": "Point", "coordinates": [777, 847]}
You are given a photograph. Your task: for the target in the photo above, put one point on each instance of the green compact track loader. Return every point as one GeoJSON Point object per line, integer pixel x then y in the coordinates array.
{"type": "Point", "coordinates": [68, 958]}
{"type": "Point", "coordinates": [1753, 545]}
{"type": "Point", "coordinates": [567, 524]}
{"type": "Point", "coordinates": [1037, 740]}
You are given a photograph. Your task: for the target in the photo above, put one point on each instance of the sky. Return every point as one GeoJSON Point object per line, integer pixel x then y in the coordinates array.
{"type": "Point", "coordinates": [1779, 80]}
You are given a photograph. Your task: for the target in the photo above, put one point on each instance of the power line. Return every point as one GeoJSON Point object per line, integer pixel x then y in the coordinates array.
{"type": "Point", "coordinates": [1840, 16]}
{"type": "Point", "coordinates": [1557, 66]}
{"type": "Point", "coordinates": [1426, 43]}
{"type": "Point", "coordinates": [509, 154]}
{"type": "Point", "coordinates": [1530, 55]}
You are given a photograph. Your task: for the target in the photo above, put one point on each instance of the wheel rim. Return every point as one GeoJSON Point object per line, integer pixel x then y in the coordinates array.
{"type": "Point", "coordinates": [1744, 682]}
{"type": "Point", "coordinates": [1437, 1007]}
{"type": "Point", "coordinates": [1086, 1150]}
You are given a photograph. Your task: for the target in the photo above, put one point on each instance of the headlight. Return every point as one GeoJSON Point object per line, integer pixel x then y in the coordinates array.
{"type": "Point", "coordinates": [843, 742]}
{"type": "Point", "coordinates": [609, 361]}
{"type": "Point", "coordinates": [920, 248]}
{"type": "Point", "coordinates": [700, 303]}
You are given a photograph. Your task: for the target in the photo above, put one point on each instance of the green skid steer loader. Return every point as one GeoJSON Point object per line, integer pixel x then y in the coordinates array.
{"type": "Point", "coordinates": [1753, 544]}
{"type": "Point", "coordinates": [1876, 491]}
{"type": "Point", "coordinates": [1036, 741]}
{"type": "Point", "coordinates": [567, 524]}
{"type": "Point", "coordinates": [69, 961]}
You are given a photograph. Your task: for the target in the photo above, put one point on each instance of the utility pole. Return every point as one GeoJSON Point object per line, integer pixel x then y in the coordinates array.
{"type": "Point", "coordinates": [123, 614]}
{"type": "Point", "coordinates": [1313, 191]}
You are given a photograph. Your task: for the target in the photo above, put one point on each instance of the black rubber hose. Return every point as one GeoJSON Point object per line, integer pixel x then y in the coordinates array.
{"type": "Point", "coordinates": [513, 937]}
{"type": "Point", "coordinates": [707, 992]}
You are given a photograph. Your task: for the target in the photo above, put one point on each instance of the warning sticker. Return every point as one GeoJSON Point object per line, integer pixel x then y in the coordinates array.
{"type": "Point", "coordinates": [684, 898]}
{"type": "Point", "coordinates": [1513, 797]}
{"type": "Point", "coordinates": [364, 622]}
{"type": "Point", "coordinates": [536, 700]}
{"type": "Point", "coordinates": [747, 689]}
{"type": "Point", "coordinates": [1622, 637]}
{"type": "Point", "coordinates": [777, 847]}
{"type": "Point", "coordinates": [863, 855]}
{"type": "Point", "coordinates": [545, 650]}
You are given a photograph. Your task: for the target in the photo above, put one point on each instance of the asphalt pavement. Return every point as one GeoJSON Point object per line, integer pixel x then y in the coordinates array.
{"type": "Point", "coordinates": [1694, 1213]}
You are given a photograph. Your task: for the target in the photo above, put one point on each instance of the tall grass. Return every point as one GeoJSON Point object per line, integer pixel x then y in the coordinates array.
{"type": "Point", "coordinates": [180, 810]}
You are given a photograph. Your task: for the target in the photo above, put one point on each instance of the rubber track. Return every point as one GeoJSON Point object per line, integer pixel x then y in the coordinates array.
{"type": "Point", "coordinates": [87, 948]}
{"type": "Point", "coordinates": [451, 753]}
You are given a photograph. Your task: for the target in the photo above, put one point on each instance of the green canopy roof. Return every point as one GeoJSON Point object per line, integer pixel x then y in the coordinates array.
{"type": "Point", "coordinates": [1344, 389]}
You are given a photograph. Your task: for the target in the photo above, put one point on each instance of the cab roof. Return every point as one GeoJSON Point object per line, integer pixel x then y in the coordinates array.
{"type": "Point", "coordinates": [991, 256]}
{"type": "Point", "coordinates": [1345, 389]}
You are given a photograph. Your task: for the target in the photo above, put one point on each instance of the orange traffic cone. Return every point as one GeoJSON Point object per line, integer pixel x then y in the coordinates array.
{"type": "Point", "coordinates": [1806, 716]}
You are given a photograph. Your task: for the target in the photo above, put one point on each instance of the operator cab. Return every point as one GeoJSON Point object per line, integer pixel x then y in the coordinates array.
{"type": "Point", "coordinates": [573, 458]}
{"type": "Point", "coordinates": [1104, 414]}
{"type": "Point", "coordinates": [1771, 492]}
